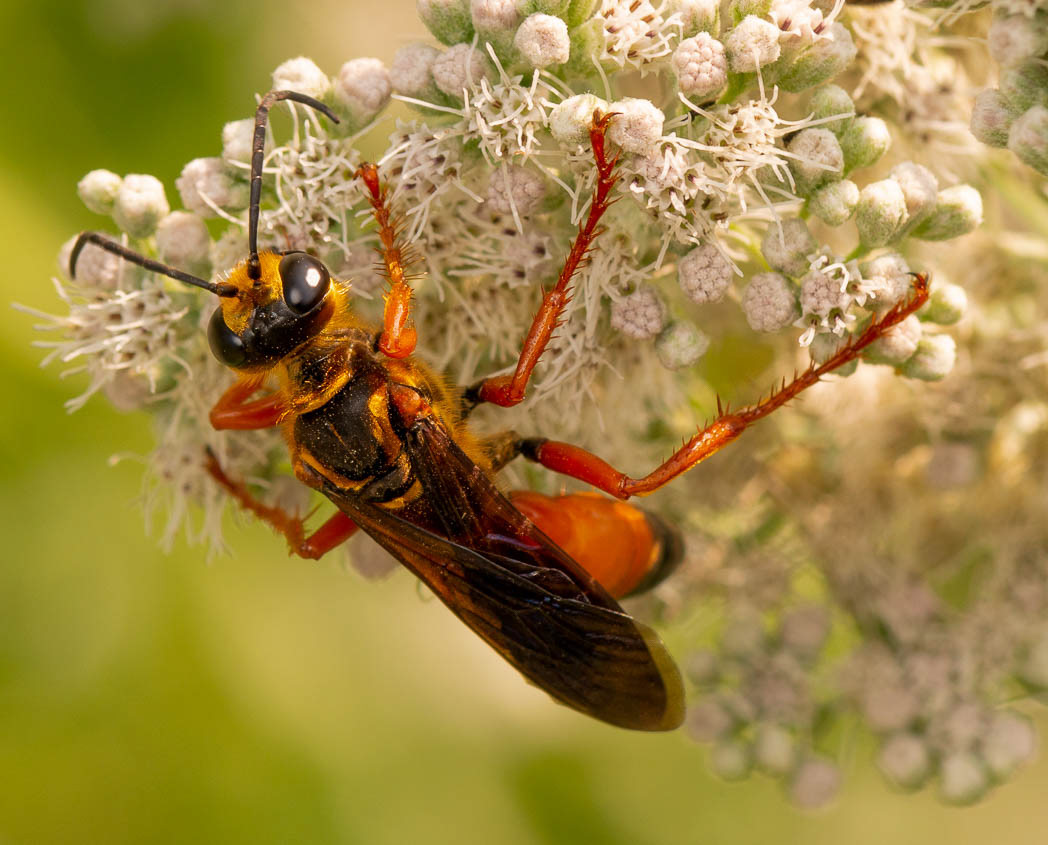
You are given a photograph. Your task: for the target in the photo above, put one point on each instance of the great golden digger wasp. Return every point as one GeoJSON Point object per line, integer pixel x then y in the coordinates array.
{"type": "Point", "coordinates": [387, 441]}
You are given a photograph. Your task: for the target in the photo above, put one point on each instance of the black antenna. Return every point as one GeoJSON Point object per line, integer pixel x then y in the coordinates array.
{"type": "Point", "coordinates": [109, 245]}
{"type": "Point", "coordinates": [254, 269]}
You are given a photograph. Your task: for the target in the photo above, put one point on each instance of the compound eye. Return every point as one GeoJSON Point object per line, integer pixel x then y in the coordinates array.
{"type": "Point", "coordinates": [226, 345]}
{"type": "Point", "coordinates": [306, 281]}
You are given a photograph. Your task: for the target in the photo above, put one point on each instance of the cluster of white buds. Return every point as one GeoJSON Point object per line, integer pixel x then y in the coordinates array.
{"type": "Point", "coordinates": [1015, 114]}
{"type": "Point", "coordinates": [775, 165]}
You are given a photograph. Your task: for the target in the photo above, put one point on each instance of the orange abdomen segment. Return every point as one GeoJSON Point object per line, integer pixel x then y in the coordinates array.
{"type": "Point", "coordinates": [625, 548]}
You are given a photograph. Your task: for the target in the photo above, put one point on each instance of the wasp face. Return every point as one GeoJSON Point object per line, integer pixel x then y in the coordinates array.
{"type": "Point", "coordinates": [273, 315]}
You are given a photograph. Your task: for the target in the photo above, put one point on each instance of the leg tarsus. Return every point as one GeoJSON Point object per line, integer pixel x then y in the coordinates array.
{"type": "Point", "coordinates": [333, 532]}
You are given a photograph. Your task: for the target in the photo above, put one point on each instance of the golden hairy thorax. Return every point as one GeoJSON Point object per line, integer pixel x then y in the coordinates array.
{"type": "Point", "coordinates": [314, 372]}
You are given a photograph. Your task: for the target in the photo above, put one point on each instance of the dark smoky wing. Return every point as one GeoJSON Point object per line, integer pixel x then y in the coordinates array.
{"type": "Point", "coordinates": [592, 658]}
{"type": "Point", "coordinates": [467, 508]}
{"type": "Point", "coordinates": [519, 591]}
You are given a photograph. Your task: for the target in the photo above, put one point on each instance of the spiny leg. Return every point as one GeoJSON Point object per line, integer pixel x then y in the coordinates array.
{"type": "Point", "coordinates": [398, 337]}
{"type": "Point", "coordinates": [336, 530]}
{"type": "Point", "coordinates": [578, 463]}
{"type": "Point", "coordinates": [508, 390]}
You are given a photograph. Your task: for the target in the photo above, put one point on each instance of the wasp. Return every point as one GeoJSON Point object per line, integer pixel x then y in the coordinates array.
{"type": "Point", "coordinates": [387, 441]}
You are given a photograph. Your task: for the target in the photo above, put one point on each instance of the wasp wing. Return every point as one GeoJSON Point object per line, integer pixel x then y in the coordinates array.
{"type": "Point", "coordinates": [519, 591]}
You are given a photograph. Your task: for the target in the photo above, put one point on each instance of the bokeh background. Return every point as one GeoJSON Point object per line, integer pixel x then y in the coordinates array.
{"type": "Point", "coordinates": [151, 697]}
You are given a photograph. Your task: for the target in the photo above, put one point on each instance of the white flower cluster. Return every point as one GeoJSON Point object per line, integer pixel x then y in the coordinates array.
{"type": "Point", "coordinates": [783, 172]}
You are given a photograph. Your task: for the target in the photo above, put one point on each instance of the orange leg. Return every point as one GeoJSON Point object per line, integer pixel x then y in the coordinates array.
{"type": "Point", "coordinates": [585, 466]}
{"type": "Point", "coordinates": [233, 411]}
{"type": "Point", "coordinates": [509, 390]}
{"type": "Point", "coordinates": [398, 335]}
{"type": "Point", "coordinates": [332, 533]}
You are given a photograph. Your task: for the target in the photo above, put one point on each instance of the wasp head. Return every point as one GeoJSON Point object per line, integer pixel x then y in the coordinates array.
{"type": "Point", "coordinates": [265, 318]}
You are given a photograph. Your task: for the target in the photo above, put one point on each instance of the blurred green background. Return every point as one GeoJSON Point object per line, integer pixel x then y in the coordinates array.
{"type": "Point", "coordinates": [150, 697]}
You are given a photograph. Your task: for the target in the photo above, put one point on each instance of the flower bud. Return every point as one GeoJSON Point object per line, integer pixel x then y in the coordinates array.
{"type": "Point", "coordinates": [182, 240]}
{"type": "Point", "coordinates": [919, 187]}
{"type": "Point", "coordinates": [1025, 85]}
{"type": "Point", "coordinates": [237, 140]}
{"type": "Point", "coordinates": [95, 267]}
{"type": "Point", "coordinates": [496, 21]}
{"type": "Point", "coordinates": [731, 759]}
{"type": "Point", "coordinates": [881, 213]}
{"type": "Point", "coordinates": [830, 100]}
{"type": "Point", "coordinates": [774, 749]}
{"type": "Point", "coordinates": [864, 141]}
{"type": "Point", "coordinates": [301, 75]}
{"type": "Point", "coordinates": [904, 759]}
{"type": "Point", "coordinates": [815, 783]}
{"type": "Point", "coordinates": [579, 12]}
{"type": "Point", "coordinates": [570, 120]}
{"type": "Point", "coordinates": [741, 9]}
{"type": "Point", "coordinates": [786, 247]}
{"type": "Point", "coordinates": [641, 315]}
{"type": "Point", "coordinates": [769, 302]}
{"type": "Point", "coordinates": [896, 345]}
{"type": "Point", "coordinates": [815, 159]}
{"type": "Point", "coordinates": [362, 88]}
{"type": "Point", "coordinates": [709, 719]}
{"type": "Point", "coordinates": [1028, 138]}
{"type": "Point", "coordinates": [680, 345]}
{"type": "Point", "coordinates": [229, 250]}
{"type": "Point", "coordinates": [991, 118]}
{"type": "Point", "coordinates": [448, 20]}
{"type": "Point", "coordinates": [957, 211]}
{"type": "Point", "coordinates": [946, 305]}
{"type": "Point", "coordinates": [696, 15]}
{"type": "Point", "coordinates": [210, 178]}
{"type": "Point", "coordinates": [888, 277]}
{"type": "Point", "coordinates": [820, 62]}
{"type": "Point", "coordinates": [516, 187]}
{"type": "Point", "coordinates": [98, 190]}
{"type": "Point", "coordinates": [458, 68]}
{"type": "Point", "coordinates": [1014, 39]}
{"type": "Point", "coordinates": [1010, 741]}
{"type": "Point", "coordinates": [638, 126]}
{"type": "Point", "coordinates": [139, 204]}
{"type": "Point", "coordinates": [963, 778]}
{"type": "Point", "coordinates": [411, 72]}
{"type": "Point", "coordinates": [127, 392]}
{"type": "Point", "coordinates": [827, 344]}
{"type": "Point", "coordinates": [557, 8]}
{"type": "Point", "coordinates": [835, 203]}
{"type": "Point", "coordinates": [752, 44]}
{"type": "Point", "coordinates": [705, 274]}
{"type": "Point", "coordinates": [933, 360]}
{"type": "Point", "coordinates": [701, 66]}
{"type": "Point", "coordinates": [542, 40]}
